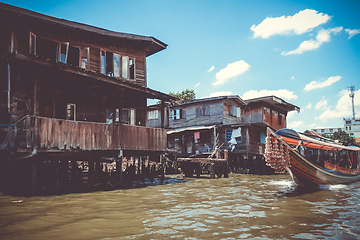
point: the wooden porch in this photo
(50, 134)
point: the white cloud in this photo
(290, 114)
(309, 106)
(352, 32)
(326, 83)
(232, 70)
(302, 22)
(322, 36)
(197, 84)
(282, 93)
(292, 77)
(295, 124)
(212, 68)
(343, 108)
(321, 104)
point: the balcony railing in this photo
(57, 134)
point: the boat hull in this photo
(305, 172)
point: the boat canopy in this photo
(293, 137)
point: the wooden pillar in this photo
(162, 176)
(162, 114)
(212, 171)
(90, 174)
(198, 170)
(119, 166)
(36, 103)
(226, 167)
(33, 175)
(121, 96)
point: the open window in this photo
(102, 61)
(74, 56)
(62, 52)
(46, 49)
(132, 69)
(178, 114)
(125, 67)
(203, 111)
(71, 112)
(84, 59)
(116, 65)
(32, 44)
(128, 116)
(109, 64)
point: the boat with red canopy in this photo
(311, 161)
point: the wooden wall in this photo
(78, 38)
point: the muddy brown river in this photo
(238, 207)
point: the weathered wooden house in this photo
(72, 91)
(229, 122)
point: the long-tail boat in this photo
(311, 161)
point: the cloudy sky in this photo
(306, 52)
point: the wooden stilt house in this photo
(73, 90)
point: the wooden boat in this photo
(310, 161)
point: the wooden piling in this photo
(33, 175)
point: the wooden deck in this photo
(57, 134)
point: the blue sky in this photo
(306, 52)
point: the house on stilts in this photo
(71, 92)
(197, 127)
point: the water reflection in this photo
(242, 206)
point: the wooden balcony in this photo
(57, 134)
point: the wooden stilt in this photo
(198, 170)
(162, 176)
(226, 167)
(33, 175)
(212, 171)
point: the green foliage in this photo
(344, 138)
(186, 95)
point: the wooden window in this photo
(32, 44)
(203, 111)
(116, 65)
(178, 114)
(84, 58)
(128, 68)
(238, 112)
(280, 118)
(46, 49)
(62, 53)
(102, 61)
(129, 116)
(153, 114)
(125, 67)
(109, 115)
(71, 112)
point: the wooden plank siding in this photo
(55, 134)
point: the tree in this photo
(344, 138)
(186, 95)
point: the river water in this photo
(238, 207)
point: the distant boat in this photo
(310, 161)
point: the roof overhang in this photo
(204, 100)
(275, 102)
(190, 129)
(152, 45)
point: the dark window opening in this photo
(103, 61)
(110, 64)
(46, 49)
(280, 119)
(60, 110)
(73, 58)
(132, 68)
